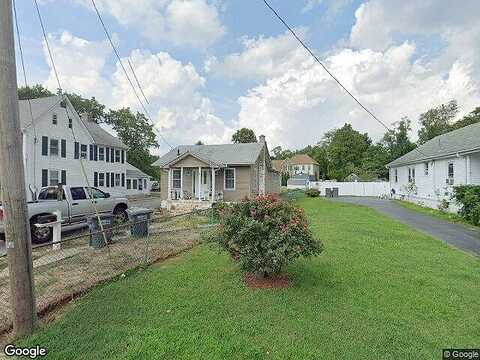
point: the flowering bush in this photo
(265, 234)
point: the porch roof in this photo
(217, 155)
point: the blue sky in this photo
(398, 59)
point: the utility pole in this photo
(12, 180)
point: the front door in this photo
(206, 183)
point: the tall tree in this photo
(472, 118)
(397, 141)
(346, 149)
(33, 92)
(90, 107)
(437, 121)
(137, 134)
(244, 135)
(280, 154)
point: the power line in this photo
(107, 34)
(326, 69)
(138, 82)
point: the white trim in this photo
(225, 179)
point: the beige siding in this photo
(190, 161)
(242, 185)
(163, 184)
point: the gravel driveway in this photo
(461, 236)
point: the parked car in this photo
(76, 204)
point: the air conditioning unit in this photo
(449, 181)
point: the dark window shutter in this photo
(45, 145)
(64, 177)
(77, 150)
(123, 179)
(107, 154)
(95, 152)
(63, 148)
(112, 179)
(44, 177)
(91, 152)
(107, 178)
(95, 179)
(123, 156)
(112, 155)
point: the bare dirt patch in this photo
(273, 282)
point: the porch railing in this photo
(187, 195)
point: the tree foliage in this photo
(33, 92)
(89, 107)
(437, 121)
(397, 141)
(244, 135)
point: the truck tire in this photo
(40, 235)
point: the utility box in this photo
(97, 238)
(139, 220)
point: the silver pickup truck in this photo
(75, 204)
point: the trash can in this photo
(97, 239)
(328, 192)
(335, 192)
(139, 219)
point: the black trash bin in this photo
(335, 192)
(328, 192)
(139, 220)
(97, 239)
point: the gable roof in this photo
(279, 165)
(301, 159)
(225, 154)
(133, 172)
(464, 140)
(43, 106)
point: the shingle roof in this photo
(225, 154)
(301, 159)
(42, 106)
(462, 140)
(133, 172)
(279, 165)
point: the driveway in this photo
(149, 202)
(457, 235)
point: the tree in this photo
(33, 92)
(319, 153)
(199, 142)
(90, 107)
(397, 142)
(346, 148)
(137, 134)
(437, 121)
(244, 135)
(472, 118)
(280, 154)
(373, 165)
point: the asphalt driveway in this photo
(458, 235)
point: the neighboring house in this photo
(227, 172)
(352, 178)
(137, 181)
(303, 164)
(281, 166)
(55, 138)
(299, 181)
(428, 174)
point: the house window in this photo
(101, 179)
(129, 184)
(411, 174)
(425, 167)
(117, 179)
(54, 119)
(140, 187)
(101, 154)
(395, 172)
(451, 173)
(54, 179)
(70, 123)
(176, 179)
(83, 151)
(229, 179)
(117, 155)
(53, 147)
(135, 184)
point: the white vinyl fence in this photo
(354, 188)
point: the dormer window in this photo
(54, 119)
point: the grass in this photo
(455, 218)
(380, 290)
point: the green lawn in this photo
(379, 291)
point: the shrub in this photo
(265, 234)
(312, 193)
(444, 205)
(468, 197)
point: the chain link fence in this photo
(66, 269)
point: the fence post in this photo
(57, 230)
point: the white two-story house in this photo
(428, 174)
(61, 147)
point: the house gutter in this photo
(449, 155)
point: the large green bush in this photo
(265, 234)
(312, 192)
(468, 197)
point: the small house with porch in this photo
(209, 173)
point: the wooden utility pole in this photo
(12, 180)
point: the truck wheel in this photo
(40, 235)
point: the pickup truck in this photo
(75, 205)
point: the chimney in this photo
(261, 139)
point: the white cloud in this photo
(183, 22)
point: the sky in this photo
(209, 67)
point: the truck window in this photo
(78, 193)
(49, 194)
(96, 194)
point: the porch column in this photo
(199, 182)
(213, 184)
(181, 183)
(468, 170)
(169, 186)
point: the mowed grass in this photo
(379, 291)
